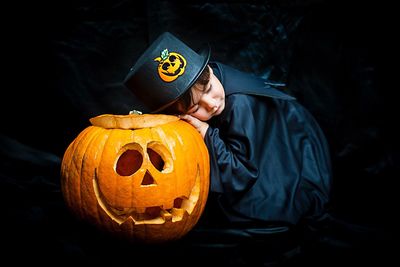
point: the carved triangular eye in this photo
(129, 162)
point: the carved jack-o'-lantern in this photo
(142, 177)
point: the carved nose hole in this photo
(148, 179)
(156, 159)
(129, 162)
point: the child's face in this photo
(207, 100)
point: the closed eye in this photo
(209, 89)
(193, 109)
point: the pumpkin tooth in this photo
(177, 214)
(166, 215)
(188, 204)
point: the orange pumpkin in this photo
(142, 177)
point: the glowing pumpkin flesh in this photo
(142, 177)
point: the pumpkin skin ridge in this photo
(111, 184)
(170, 130)
(202, 154)
(76, 163)
(178, 134)
(167, 135)
(104, 139)
(93, 214)
(102, 204)
(188, 224)
(107, 178)
(120, 139)
(66, 164)
(82, 184)
(120, 188)
(195, 137)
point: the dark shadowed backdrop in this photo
(64, 61)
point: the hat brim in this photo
(205, 53)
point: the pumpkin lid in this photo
(131, 121)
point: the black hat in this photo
(165, 71)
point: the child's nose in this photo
(209, 102)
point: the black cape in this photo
(269, 158)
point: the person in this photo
(269, 158)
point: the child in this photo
(269, 159)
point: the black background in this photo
(63, 63)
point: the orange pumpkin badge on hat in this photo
(171, 65)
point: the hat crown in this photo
(166, 70)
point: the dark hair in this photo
(184, 102)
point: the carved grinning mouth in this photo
(151, 215)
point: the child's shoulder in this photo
(238, 82)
